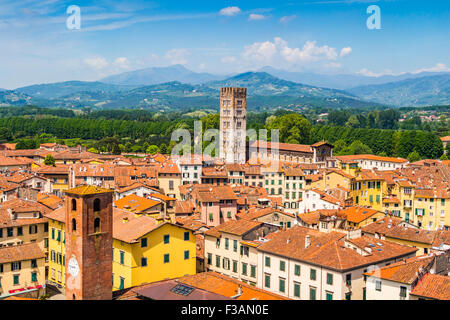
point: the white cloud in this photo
(230, 11)
(122, 63)
(254, 16)
(439, 67)
(96, 63)
(177, 56)
(287, 19)
(308, 53)
(368, 73)
(345, 51)
(260, 51)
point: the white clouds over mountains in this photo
(278, 51)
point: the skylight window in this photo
(182, 289)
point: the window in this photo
(74, 227)
(229, 214)
(19, 231)
(329, 279)
(186, 236)
(297, 270)
(33, 277)
(96, 225)
(378, 285)
(166, 258)
(267, 261)
(312, 293)
(348, 279)
(1, 268)
(97, 205)
(218, 261)
(16, 279)
(403, 292)
(282, 265)
(282, 284)
(166, 239)
(296, 289)
(122, 257)
(186, 255)
(74, 204)
(1, 233)
(267, 280)
(9, 232)
(16, 266)
(122, 283)
(143, 262)
(329, 296)
(234, 266)
(312, 274)
(227, 243)
(144, 243)
(235, 245)
(34, 263)
(253, 271)
(244, 269)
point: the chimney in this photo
(307, 241)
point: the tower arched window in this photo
(74, 204)
(97, 204)
(97, 225)
(74, 224)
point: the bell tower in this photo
(89, 221)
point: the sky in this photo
(220, 37)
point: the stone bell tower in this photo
(89, 221)
(233, 124)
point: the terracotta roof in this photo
(256, 212)
(381, 226)
(58, 214)
(162, 197)
(191, 222)
(445, 139)
(211, 193)
(57, 169)
(433, 286)
(330, 250)
(358, 214)
(404, 271)
(6, 161)
(227, 286)
(164, 290)
(129, 227)
(370, 157)
(282, 146)
(236, 227)
(87, 189)
(184, 207)
(135, 203)
(411, 234)
(52, 201)
(27, 251)
(327, 197)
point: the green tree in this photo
(413, 156)
(152, 149)
(49, 160)
(293, 128)
(444, 157)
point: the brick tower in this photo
(89, 222)
(233, 124)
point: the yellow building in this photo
(56, 247)
(367, 190)
(58, 176)
(432, 208)
(22, 270)
(144, 249)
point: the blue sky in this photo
(324, 36)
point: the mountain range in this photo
(178, 88)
